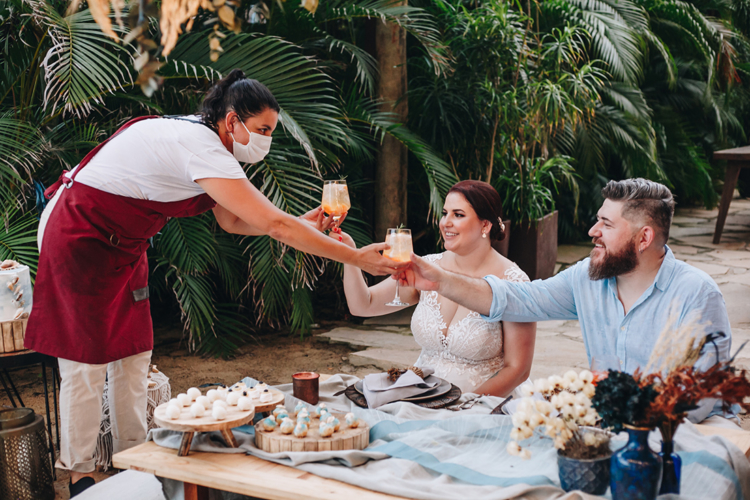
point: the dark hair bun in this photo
(235, 92)
(486, 202)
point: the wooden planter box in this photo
(501, 247)
(534, 246)
(11, 335)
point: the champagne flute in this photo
(336, 199)
(400, 251)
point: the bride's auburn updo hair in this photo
(235, 92)
(486, 202)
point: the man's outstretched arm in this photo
(495, 298)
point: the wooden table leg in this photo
(195, 492)
(229, 438)
(187, 439)
(730, 181)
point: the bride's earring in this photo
(484, 235)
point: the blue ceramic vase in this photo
(587, 475)
(635, 470)
(672, 468)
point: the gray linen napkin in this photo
(379, 390)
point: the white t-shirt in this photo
(160, 159)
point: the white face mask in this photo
(254, 151)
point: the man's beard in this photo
(612, 265)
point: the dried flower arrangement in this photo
(564, 412)
(671, 384)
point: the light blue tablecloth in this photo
(440, 454)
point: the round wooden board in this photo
(278, 398)
(439, 402)
(206, 423)
(345, 439)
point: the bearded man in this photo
(624, 294)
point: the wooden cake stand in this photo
(345, 439)
(189, 425)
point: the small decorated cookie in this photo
(351, 420)
(326, 429)
(219, 412)
(197, 410)
(172, 412)
(286, 426)
(269, 424)
(184, 399)
(279, 409)
(212, 395)
(266, 396)
(304, 419)
(245, 404)
(233, 398)
(318, 409)
(204, 401)
(334, 422)
(281, 416)
(222, 403)
(300, 430)
(194, 393)
(300, 406)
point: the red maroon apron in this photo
(91, 292)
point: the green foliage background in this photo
(545, 100)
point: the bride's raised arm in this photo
(367, 301)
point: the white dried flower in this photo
(526, 405)
(557, 382)
(589, 390)
(551, 431)
(576, 386)
(568, 399)
(525, 454)
(568, 412)
(586, 376)
(515, 434)
(520, 419)
(513, 448)
(536, 420)
(580, 411)
(543, 407)
(542, 385)
(582, 400)
(527, 390)
(559, 443)
(570, 376)
(557, 401)
(589, 439)
(589, 419)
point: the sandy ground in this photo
(272, 358)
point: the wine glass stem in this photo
(336, 220)
(397, 299)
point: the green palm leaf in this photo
(83, 63)
(18, 238)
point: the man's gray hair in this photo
(644, 199)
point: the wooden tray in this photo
(189, 425)
(345, 439)
(278, 398)
(439, 402)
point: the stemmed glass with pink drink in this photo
(400, 251)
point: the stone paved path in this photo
(386, 342)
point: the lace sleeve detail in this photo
(516, 274)
(433, 257)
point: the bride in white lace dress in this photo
(478, 356)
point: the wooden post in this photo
(187, 439)
(229, 438)
(730, 181)
(195, 492)
(391, 169)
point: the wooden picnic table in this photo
(237, 473)
(737, 159)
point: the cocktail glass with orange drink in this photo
(400, 251)
(336, 199)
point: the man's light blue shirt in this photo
(607, 330)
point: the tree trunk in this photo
(391, 171)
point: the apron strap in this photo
(68, 181)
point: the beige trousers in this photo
(81, 407)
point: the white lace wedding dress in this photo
(470, 351)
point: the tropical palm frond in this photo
(18, 237)
(83, 63)
(414, 20)
(19, 149)
(612, 28)
(230, 330)
(188, 244)
(366, 65)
